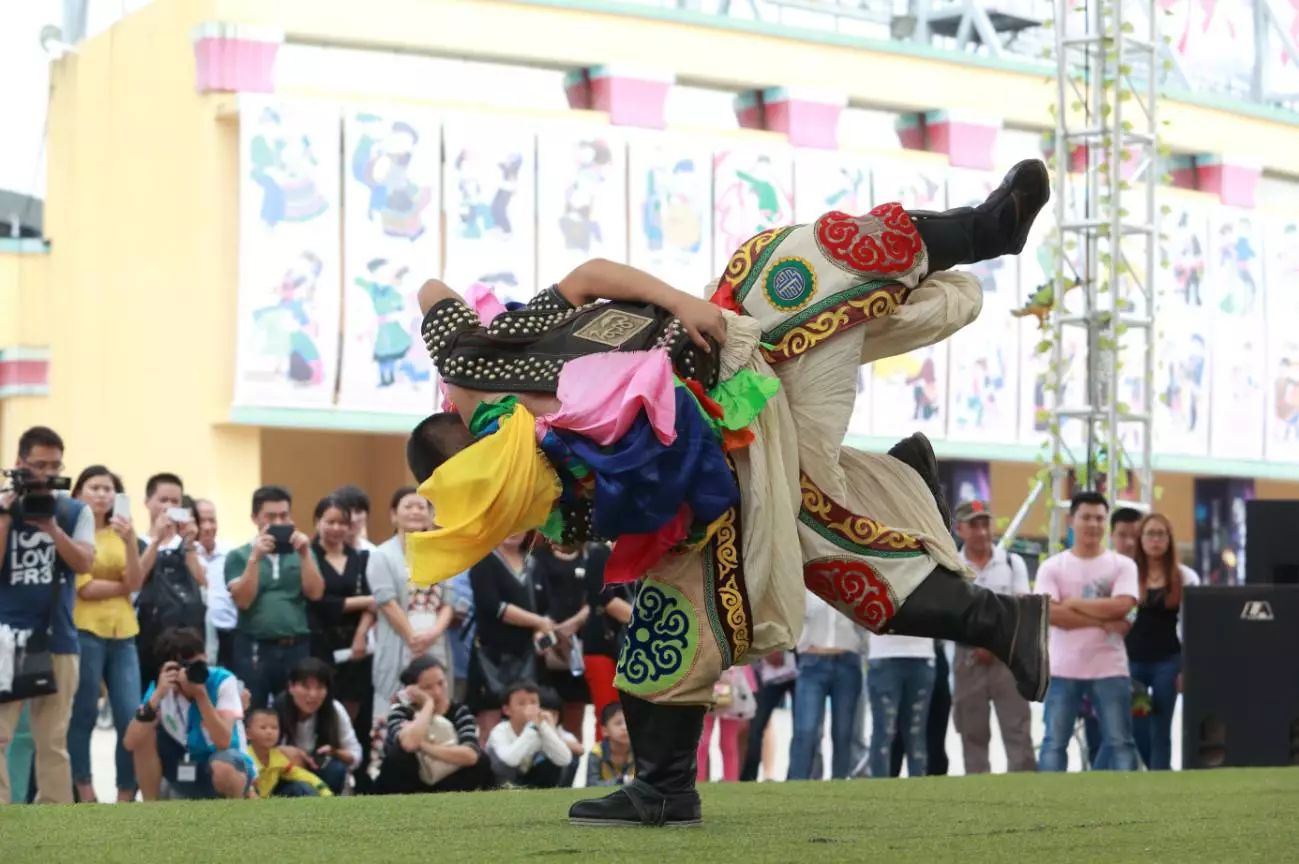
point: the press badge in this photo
(186, 772)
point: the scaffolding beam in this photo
(1107, 237)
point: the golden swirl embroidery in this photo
(740, 266)
(729, 593)
(801, 339)
(861, 530)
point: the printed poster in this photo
(1239, 412)
(909, 392)
(752, 191)
(1282, 372)
(288, 308)
(1235, 263)
(391, 244)
(491, 206)
(826, 180)
(581, 199)
(1182, 382)
(671, 210)
(1181, 277)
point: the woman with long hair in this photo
(511, 629)
(412, 621)
(1154, 644)
(316, 732)
(106, 629)
(341, 619)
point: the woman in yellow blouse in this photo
(106, 628)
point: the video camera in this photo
(35, 495)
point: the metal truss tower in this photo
(1107, 242)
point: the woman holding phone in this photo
(106, 630)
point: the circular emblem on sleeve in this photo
(790, 284)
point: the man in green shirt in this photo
(271, 589)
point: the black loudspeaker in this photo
(1271, 556)
(1240, 692)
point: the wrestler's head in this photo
(436, 439)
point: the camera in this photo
(196, 671)
(283, 535)
(35, 495)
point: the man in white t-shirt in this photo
(1094, 589)
(189, 729)
(222, 614)
(981, 679)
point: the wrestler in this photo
(706, 439)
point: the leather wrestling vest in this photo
(523, 351)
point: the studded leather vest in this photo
(523, 351)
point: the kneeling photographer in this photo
(189, 729)
(45, 539)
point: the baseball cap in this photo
(968, 511)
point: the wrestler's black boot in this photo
(918, 453)
(999, 226)
(664, 741)
(1014, 628)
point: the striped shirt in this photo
(399, 773)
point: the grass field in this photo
(1219, 816)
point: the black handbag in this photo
(499, 673)
(33, 662)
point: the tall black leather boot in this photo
(1013, 628)
(917, 453)
(999, 226)
(664, 742)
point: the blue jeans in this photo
(1154, 733)
(1112, 700)
(837, 676)
(172, 755)
(334, 772)
(900, 689)
(114, 663)
(263, 665)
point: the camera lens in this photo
(196, 672)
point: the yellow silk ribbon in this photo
(497, 486)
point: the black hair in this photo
(550, 700)
(270, 495)
(418, 667)
(158, 479)
(610, 711)
(38, 436)
(177, 644)
(436, 439)
(353, 497)
(519, 687)
(1124, 515)
(400, 494)
(327, 732)
(91, 473)
(331, 502)
(1088, 497)
(266, 712)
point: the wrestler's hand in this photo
(701, 319)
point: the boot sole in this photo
(632, 823)
(1021, 237)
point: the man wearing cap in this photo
(980, 677)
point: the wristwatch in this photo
(146, 713)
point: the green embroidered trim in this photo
(848, 546)
(710, 606)
(760, 264)
(486, 412)
(776, 333)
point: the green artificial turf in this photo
(1219, 816)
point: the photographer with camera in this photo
(45, 539)
(271, 579)
(189, 728)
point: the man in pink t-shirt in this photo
(1094, 589)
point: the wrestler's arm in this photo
(600, 279)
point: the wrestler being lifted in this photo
(706, 440)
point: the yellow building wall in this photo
(24, 299)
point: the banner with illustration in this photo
(753, 190)
(288, 309)
(489, 192)
(1281, 380)
(1181, 280)
(984, 356)
(391, 244)
(671, 210)
(581, 198)
(1182, 382)
(825, 181)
